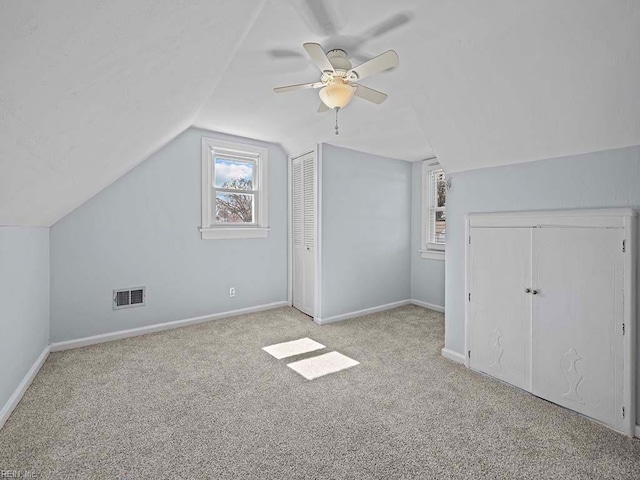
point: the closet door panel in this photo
(304, 231)
(577, 320)
(500, 309)
(309, 221)
(297, 197)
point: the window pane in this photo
(440, 230)
(234, 207)
(236, 174)
(441, 189)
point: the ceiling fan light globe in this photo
(336, 94)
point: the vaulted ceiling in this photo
(89, 89)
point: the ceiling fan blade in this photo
(318, 56)
(323, 108)
(378, 64)
(356, 42)
(300, 86)
(369, 94)
(360, 57)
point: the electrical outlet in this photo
(232, 292)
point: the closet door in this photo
(577, 320)
(499, 307)
(297, 196)
(304, 220)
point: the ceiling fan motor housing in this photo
(341, 64)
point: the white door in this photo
(499, 307)
(577, 340)
(304, 220)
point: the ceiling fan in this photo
(338, 80)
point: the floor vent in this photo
(128, 297)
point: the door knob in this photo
(534, 292)
(527, 290)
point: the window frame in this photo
(259, 156)
(429, 250)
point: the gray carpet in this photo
(207, 402)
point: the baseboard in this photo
(451, 355)
(430, 306)
(158, 327)
(360, 313)
(14, 399)
(638, 431)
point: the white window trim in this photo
(431, 251)
(208, 228)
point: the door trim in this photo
(317, 297)
(289, 231)
(630, 315)
(467, 290)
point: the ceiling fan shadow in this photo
(284, 53)
(322, 17)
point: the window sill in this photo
(228, 233)
(432, 254)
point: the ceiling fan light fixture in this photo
(337, 93)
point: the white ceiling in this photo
(90, 89)
(244, 102)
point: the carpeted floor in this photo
(207, 402)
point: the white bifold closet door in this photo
(577, 317)
(500, 311)
(304, 222)
(551, 304)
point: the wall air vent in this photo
(129, 297)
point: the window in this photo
(234, 193)
(434, 196)
(234, 190)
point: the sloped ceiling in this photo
(519, 81)
(90, 89)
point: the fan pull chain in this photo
(337, 132)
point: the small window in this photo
(234, 190)
(434, 215)
(437, 205)
(235, 195)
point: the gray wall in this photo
(143, 230)
(427, 276)
(366, 200)
(595, 180)
(24, 303)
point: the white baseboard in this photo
(451, 355)
(638, 431)
(13, 401)
(360, 313)
(430, 306)
(134, 332)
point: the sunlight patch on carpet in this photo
(294, 347)
(315, 367)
